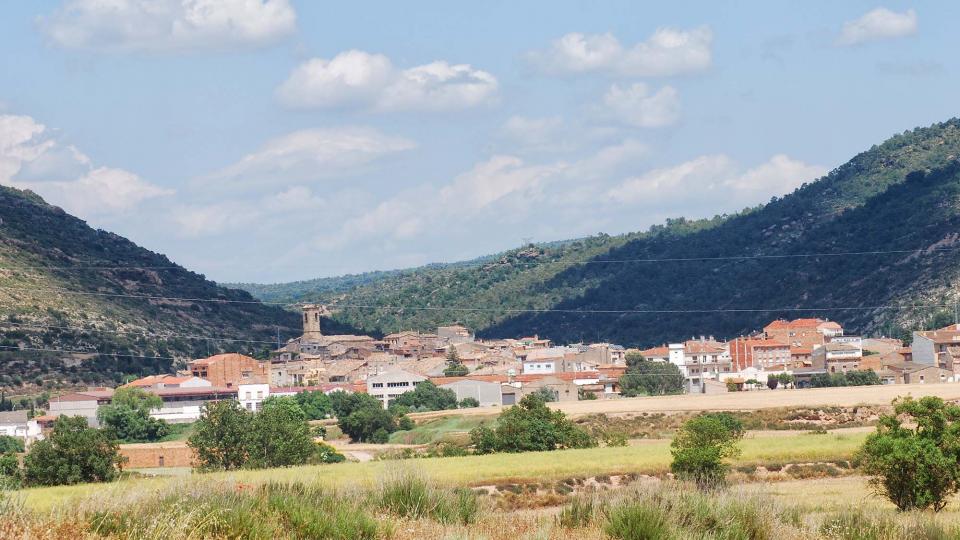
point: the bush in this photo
(74, 453)
(916, 467)
(469, 403)
(405, 423)
(578, 513)
(701, 446)
(638, 521)
(325, 453)
(529, 427)
(408, 495)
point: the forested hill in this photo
(63, 286)
(903, 194)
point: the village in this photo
(498, 373)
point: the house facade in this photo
(390, 384)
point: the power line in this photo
(130, 332)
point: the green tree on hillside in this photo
(74, 453)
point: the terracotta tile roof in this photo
(661, 351)
(801, 323)
(226, 357)
(152, 380)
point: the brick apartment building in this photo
(231, 370)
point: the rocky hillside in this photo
(902, 195)
(66, 286)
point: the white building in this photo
(252, 395)
(16, 424)
(388, 385)
(488, 394)
(543, 361)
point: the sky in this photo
(277, 140)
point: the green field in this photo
(648, 457)
(446, 428)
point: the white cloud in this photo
(361, 79)
(636, 106)
(667, 52)
(214, 219)
(535, 133)
(877, 24)
(168, 25)
(31, 159)
(309, 155)
(711, 177)
(496, 179)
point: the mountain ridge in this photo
(795, 222)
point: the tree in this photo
(545, 394)
(370, 422)
(315, 404)
(10, 444)
(646, 378)
(73, 453)
(469, 403)
(220, 437)
(772, 382)
(455, 367)
(529, 427)
(10, 474)
(917, 466)
(127, 416)
(426, 397)
(280, 435)
(701, 446)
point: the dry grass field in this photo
(737, 401)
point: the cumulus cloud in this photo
(716, 177)
(309, 155)
(635, 105)
(31, 158)
(880, 23)
(669, 51)
(168, 25)
(362, 79)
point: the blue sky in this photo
(267, 140)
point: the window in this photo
(259, 394)
(249, 406)
(377, 385)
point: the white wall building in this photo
(390, 384)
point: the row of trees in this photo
(850, 378)
(646, 378)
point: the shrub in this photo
(408, 495)
(327, 454)
(73, 453)
(915, 467)
(638, 520)
(578, 513)
(405, 423)
(469, 403)
(701, 446)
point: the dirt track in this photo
(738, 401)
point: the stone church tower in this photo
(311, 321)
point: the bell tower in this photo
(311, 321)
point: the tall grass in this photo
(407, 494)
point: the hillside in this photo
(899, 195)
(59, 287)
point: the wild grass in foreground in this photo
(678, 511)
